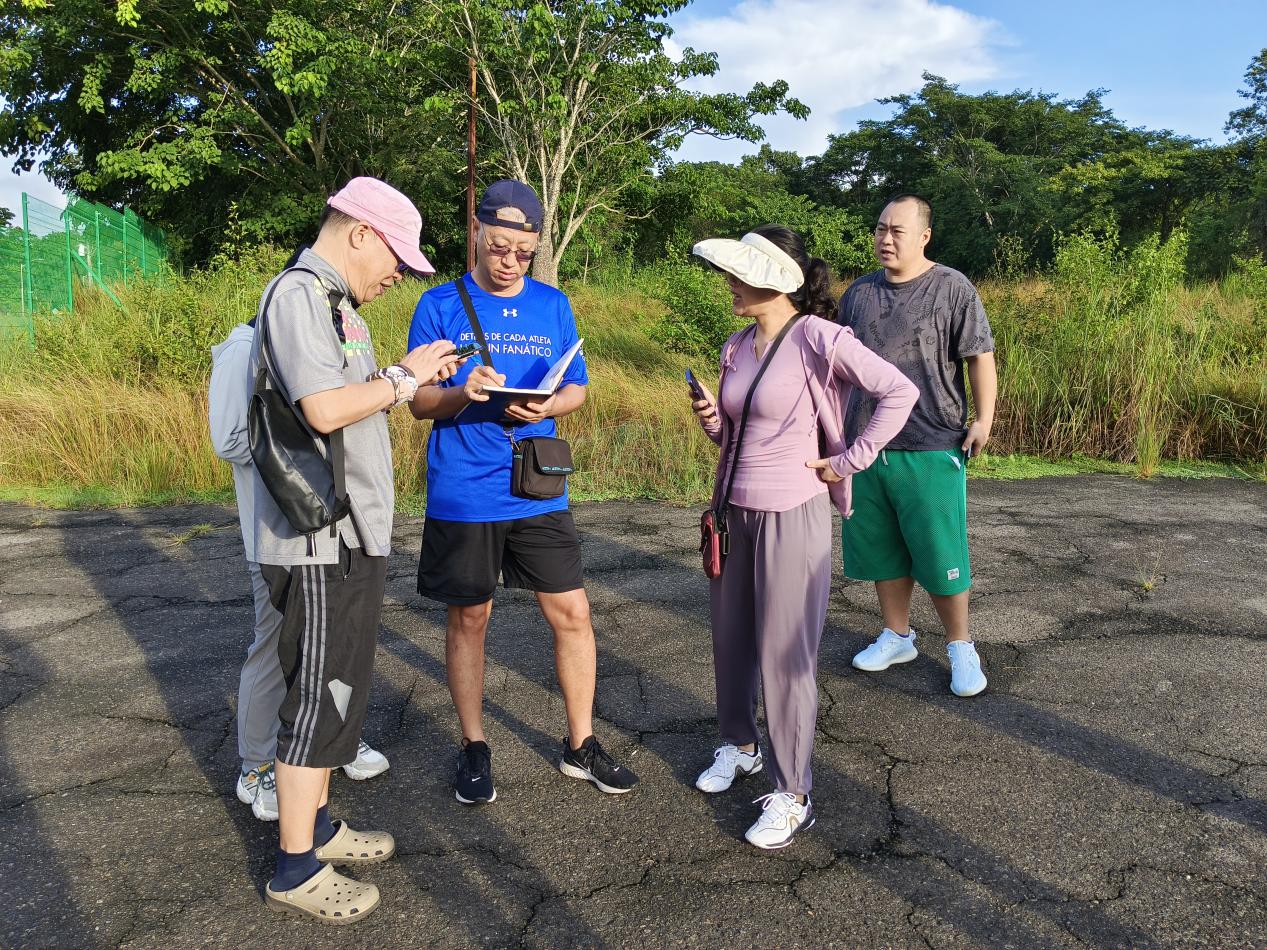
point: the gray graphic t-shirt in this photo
(925, 327)
(310, 359)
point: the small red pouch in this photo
(713, 542)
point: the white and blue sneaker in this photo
(367, 764)
(966, 678)
(782, 816)
(889, 648)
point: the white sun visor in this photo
(754, 260)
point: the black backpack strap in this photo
(268, 370)
(743, 418)
(469, 306)
(267, 367)
(340, 474)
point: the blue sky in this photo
(1167, 65)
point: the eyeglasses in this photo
(401, 266)
(523, 257)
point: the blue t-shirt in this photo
(469, 456)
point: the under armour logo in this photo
(510, 311)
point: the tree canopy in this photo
(228, 122)
(1008, 174)
(1020, 166)
(581, 98)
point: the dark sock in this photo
(293, 869)
(323, 827)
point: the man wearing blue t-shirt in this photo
(475, 527)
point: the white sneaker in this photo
(367, 764)
(729, 762)
(258, 788)
(966, 678)
(888, 649)
(782, 816)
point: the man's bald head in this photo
(922, 207)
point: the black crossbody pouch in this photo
(308, 487)
(540, 465)
(540, 468)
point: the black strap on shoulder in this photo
(268, 370)
(465, 294)
(747, 404)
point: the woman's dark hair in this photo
(814, 296)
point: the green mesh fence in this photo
(56, 251)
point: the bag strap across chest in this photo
(474, 320)
(747, 405)
(268, 371)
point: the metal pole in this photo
(124, 229)
(96, 225)
(70, 267)
(470, 171)
(28, 303)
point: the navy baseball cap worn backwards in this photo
(510, 194)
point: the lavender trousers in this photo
(768, 610)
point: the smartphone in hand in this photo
(464, 352)
(697, 391)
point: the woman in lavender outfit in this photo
(770, 602)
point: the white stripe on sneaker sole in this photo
(475, 801)
(573, 771)
(786, 841)
(893, 662)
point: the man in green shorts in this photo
(910, 508)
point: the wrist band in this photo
(404, 384)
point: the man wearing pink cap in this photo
(328, 586)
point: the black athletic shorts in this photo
(330, 615)
(460, 560)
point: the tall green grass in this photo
(1111, 357)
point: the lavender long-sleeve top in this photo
(809, 382)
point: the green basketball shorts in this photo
(910, 519)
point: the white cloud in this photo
(836, 55)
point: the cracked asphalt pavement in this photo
(1108, 790)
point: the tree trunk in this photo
(545, 267)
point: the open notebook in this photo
(549, 383)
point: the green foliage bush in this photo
(691, 202)
(699, 315)
(1249, 277)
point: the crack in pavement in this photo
(938, 884)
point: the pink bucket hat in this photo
(390, 213)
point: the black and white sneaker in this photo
(474, 784)
(592, 763)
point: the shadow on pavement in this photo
(975, 919)
(40, 907)
(189, 680)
